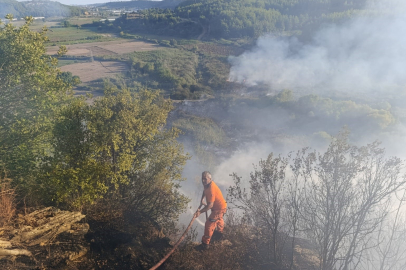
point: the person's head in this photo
(206, 178)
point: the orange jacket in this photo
(213, 194)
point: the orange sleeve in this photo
(209, 195)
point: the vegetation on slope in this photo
(237, 18)
(114, 157)
(59, 150)
(38, 9)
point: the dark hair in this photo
(206, 173)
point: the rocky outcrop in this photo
(48, 238)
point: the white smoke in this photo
(366, 53)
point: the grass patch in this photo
(171, 69)
(206, 136)
(83, 20)
(181, 73)
(73, 35)
(204, 130)
(62, 63)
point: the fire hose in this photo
(177, 243)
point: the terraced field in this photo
(105, 48)
(92, 71)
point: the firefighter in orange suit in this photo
(215, 201)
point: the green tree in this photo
(67, 24)
(30, 94)
(116, 148)
(68, 78)
(62, 50)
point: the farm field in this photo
(92, 71)
(73, 35)
(105, 48)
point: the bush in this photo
(114, 147)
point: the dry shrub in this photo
(7, 201)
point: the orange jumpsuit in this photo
(213, 194)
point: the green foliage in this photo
(237, 18)
(343, 111)
(181, 73)
(66, 24)
(205, 134)
(205, 130)
(72, 35)
(62, 50)
(69, 79)
(328, 112)
(285, 95)
(39, 9)
(31, 92)
(103, 147)
(173, 69)
(11, 7)
(214, 71)
(63, 150)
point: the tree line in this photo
(38, 9)
(236, 18)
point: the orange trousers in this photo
(215, 220)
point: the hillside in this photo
(142, 4)
(37, 9)
(237, 18)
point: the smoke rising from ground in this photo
(363, 54)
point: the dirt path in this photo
(204, 32)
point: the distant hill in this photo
(37, 9)
(140, 4)
(238, 18)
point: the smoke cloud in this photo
(364, 54)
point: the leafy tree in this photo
(67, 24)
(30, 93)
(62, 50)
(116, 147)
(68, 78)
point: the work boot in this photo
(202, 247)
(217, 236)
